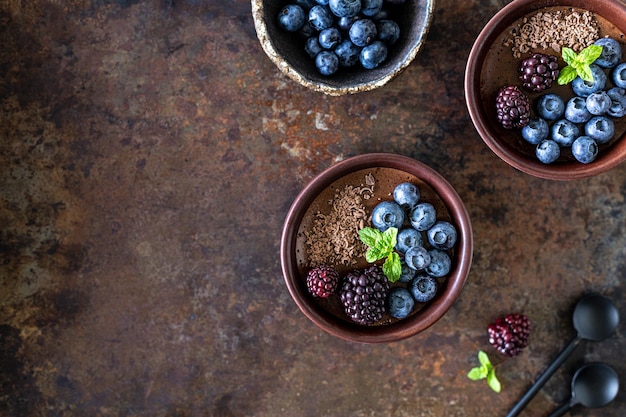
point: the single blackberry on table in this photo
(322, 281)
(513, 107)
(509, 334)
(539, 71)
(363, 295)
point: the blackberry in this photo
(322, 281)
(513, 107)
(363, 295)
(539, 71)
(509, 334)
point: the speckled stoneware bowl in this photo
(387, 170)
(286, 50)
(491, 65)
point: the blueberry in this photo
(344, 8)
(327, 63)
(618, 102)
(305, 4)
(440, 263)
(382, 15)
(423, 216)
(564, 132)
(329, 38)
(407, 273)
(387, 214)
(585, 149)
(583, 88)
(619, 75)
(344, 23)
(371, 7)
(535, 131)
(320, 17)
(550, 106)
(407, 238)
(442, 235)
(406, 195)
(417, 258)
(576, 110)
(373, 55)
(322, 2)
(388, 31)
(598, 103)
(400, 302)
(423, 288)
(348, 53)
(307, 31)
(600, 128)
(548, 151)
(611, 52)
(312, 46)
(291, 18)
(362, 32)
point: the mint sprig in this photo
(381, 246)
(485, 371)
(578, 65)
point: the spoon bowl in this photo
(594, 385)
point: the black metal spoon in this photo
(594, 385)
(595, 318)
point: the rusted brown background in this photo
(149, 152)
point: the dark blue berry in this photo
(371, 7)
(442, 235)
(407, 238)
(291, 18)
(312, 46)
(619, 75)
(548, 151)
(535, 131)
(550, 106)
(348, 53)
(611, 52)
(387, 214)
(423, 216)
(320, 17)
(345, 8)
(564, 132)
(423, 288)
(388, 31)
(583, 88)
(327, 63)
(600, 128)
(417, 258)
(344, 23)
(406, 195)
(322, 2)
(585, 149)
(576, 110)
(373, 55)
(440, 263)
(362, 32)
(407, 273)
(400, 302)
(618, 102)
(305, 4)
(329, 38)
(598, 103)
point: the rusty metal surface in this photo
(149, 152)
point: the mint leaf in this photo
(567, 75)
(389, 239)
(569, 55)
(578, 63)
(590, 54)
(375, 253)
(370, 236)
(493, 382)
(477, 373)
(392, 268)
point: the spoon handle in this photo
(561, 410)
(540, 382)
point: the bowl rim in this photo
(267, 44)
(401, 329)
(492, 30)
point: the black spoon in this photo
(594, 385)
(595, 318)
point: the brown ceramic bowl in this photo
(388, 170)
(491, 65)
(286, 50)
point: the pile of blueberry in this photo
(342, 33)
(583, 122)
(423, 243)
